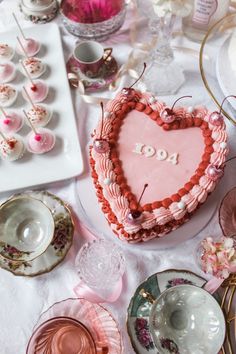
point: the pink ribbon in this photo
(213, 284)
(82, 290)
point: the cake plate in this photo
(93, 219)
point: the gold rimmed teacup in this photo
(26, 228)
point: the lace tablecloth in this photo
(23, 299)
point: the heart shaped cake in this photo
(177, 155)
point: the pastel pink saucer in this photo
(227, 214)
(95, 318)
(11, 124)
(37, 92)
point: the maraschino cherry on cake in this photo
(178, 153)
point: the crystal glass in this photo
(93, 19)
(100, 265)
(163, 75)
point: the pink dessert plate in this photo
(108, 74)
(61, 335)
(227, 213)
(95, 318)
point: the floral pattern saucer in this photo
(139, 308)
(61, 243)
(98, 321)
(107, 74)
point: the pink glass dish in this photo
(94, 317)
(93, 19)
(227, 214)
(91, 11)
(61, 335)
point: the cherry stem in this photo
(221, 107)
(231, 158)
(140, 76)
(145, 186)
(178, 100)
(101, 104)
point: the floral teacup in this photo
(186, 319)
(26, 228)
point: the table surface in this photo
(24, 299)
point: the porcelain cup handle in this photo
(146, 295)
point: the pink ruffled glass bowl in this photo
(93, 19)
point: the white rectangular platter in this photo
(65, 160)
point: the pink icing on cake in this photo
(145, 132)
(37, 92)
(41, 143)
(172, 158)
(7, 72)
(11, 124)
(30, 45)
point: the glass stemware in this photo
(163, 76)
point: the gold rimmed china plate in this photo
(60, 245)
(218, 65)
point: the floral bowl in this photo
(187, 319)
(26, 228)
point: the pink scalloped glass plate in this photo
(227, 213)
(94, 317)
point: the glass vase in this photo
(93, 19)
(163, 75)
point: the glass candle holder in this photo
(93, 19)
(100, 265)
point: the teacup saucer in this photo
(62, 240)
(95, 318)
(139, 308)
(108, 73)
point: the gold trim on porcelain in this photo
(132, 298)
(25, 196)
(201, 55)
(47, 270)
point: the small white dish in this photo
(26, 228)
(187, 319)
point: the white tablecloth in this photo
(23, 299)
